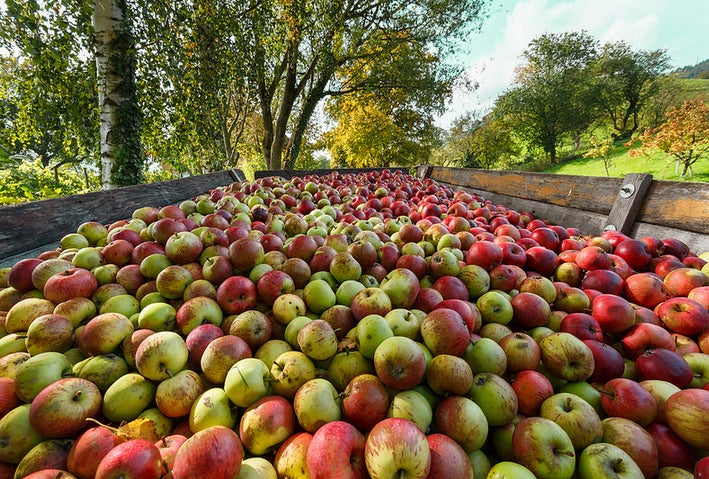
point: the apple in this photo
(414, 405)
(606, 460)
(336, 451)
(643, 337)
(211, 408)
(461, 419)
(127, 397)
(158, 317)
(666, 365)
(371, 300)
(622, 397)
(576, 416)
(216, 452)
(274, 283)
(530, 310)
(448, 459)
(539, 285)
(402, 286)
(567, 357)
(521, 350)
(582, 325)
(495, 307)
(183, 247)
(287, 307)
(365, 401)
(531, 388)
(135, 458)
(444, 332)
(161, 355)
(672, 451)
(257, 468)
(509, 470)
(21, 314)
(290, 459)
(245, 253)
(197, 311)
(175, 395)
(290, 370)
(237, 294)
(20, 274)
(396, 447)
(683, 315)
(220, 355)
(39, 371)
(608, 363)
(496, 398)
(265, 424)
(645, 289)
(17, 435)
(614, 313)
(48, 455)
(404, 322)
(399, 362)
(448, 375)
(316, 403)
(485, 254)
(428, 299)
(70, 283)
(217, 269)
(252, 326)
(88, 449)
(61, 408)
(687, 413)
(701, 468)
(542, 446)
(49, 332)
(634, 440)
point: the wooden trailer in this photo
(637, 205)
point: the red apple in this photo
(336, 451)
(622, 397)
(683, 315)
(133, 459)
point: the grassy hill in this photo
(659, 165)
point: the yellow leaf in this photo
(141, 428)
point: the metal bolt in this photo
(627, 190)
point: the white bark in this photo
(106, 19)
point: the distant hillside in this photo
(700, 70)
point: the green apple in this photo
(585, 391)
(102, 370)
(606, 460)
(509, 470)
(347, 290)
(39, 371)
(495, 307)
(495, 397)
(288, 306)
(318, 296)
(161, 355)
(22, 313)
(127, 397)
(256, 468)
(575, 416)
(411, 405)
(404, 322)
(397, 448)
(78, 310)
(49, 332)
(316, 402)
(476, 279)
(17, 436)
(271, 349)
(345, 366)
(212, 408)
(290, 334)
(158, 317)
(372, 329)
(247, 381)
(344, 266)
(485, 355)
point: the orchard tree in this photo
(684, 136)
(552, 97)
(48, 83)
(626, 81)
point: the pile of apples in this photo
(370, 325)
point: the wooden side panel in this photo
(677, 204)
(320, 172)
(580, 192)
(25, 227)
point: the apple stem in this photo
(169, 373)
(114, 430)
(618, 463)
(77, 395)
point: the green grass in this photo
(659, 165)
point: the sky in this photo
(681, 27)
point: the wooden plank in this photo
(26, 226)
(628, 202)
(580, 192)
(677, 204)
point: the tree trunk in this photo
(121, 151)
